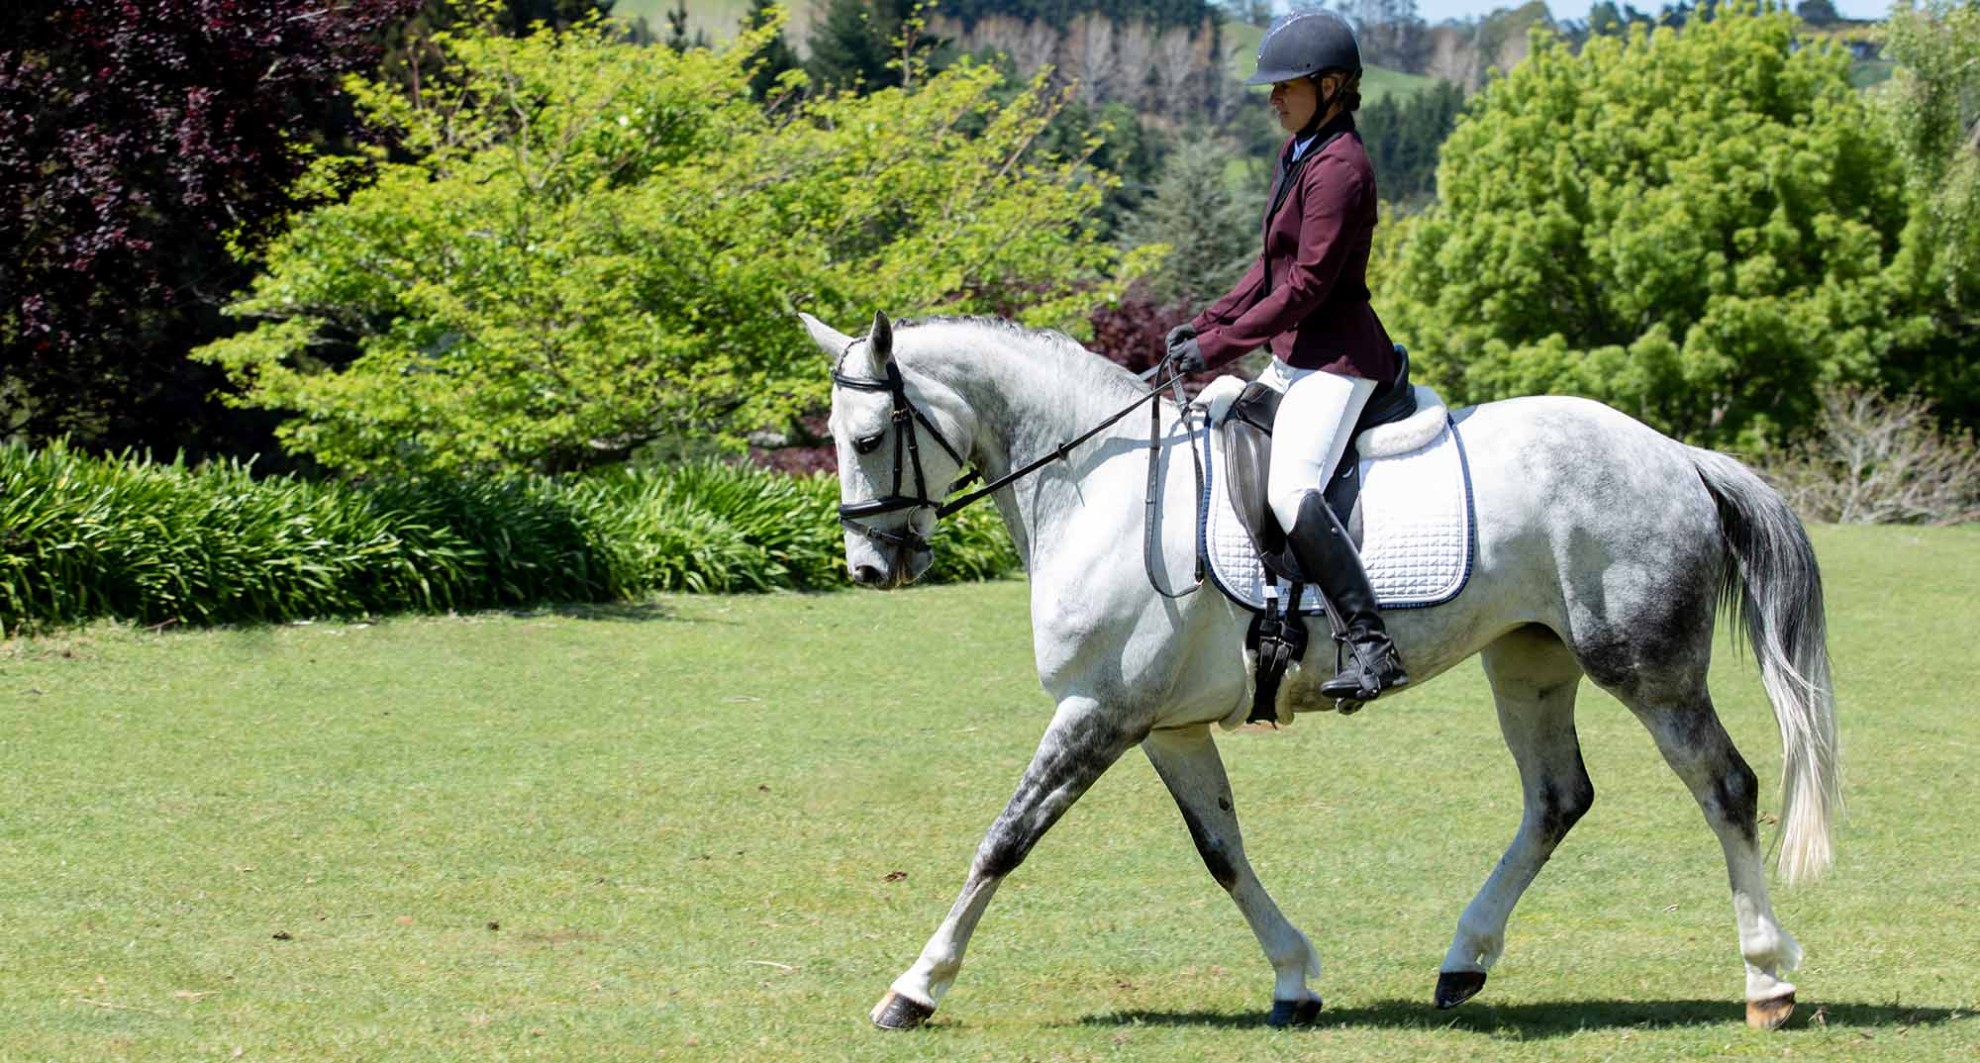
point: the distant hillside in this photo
(717, 19)
(1163, 73)
(1377, 82)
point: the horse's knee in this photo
(1564, 803)
(1215, 850)
(1000, 854)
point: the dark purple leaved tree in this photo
(136, 140)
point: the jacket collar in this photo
(1341, 123)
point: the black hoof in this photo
(1293, 1013)
(1456, 987)
(896, 1012)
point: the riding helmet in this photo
(1304, 44)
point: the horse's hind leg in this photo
(1696, 746)
(1534, 677)
(1188, 763)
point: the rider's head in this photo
(1313, 64)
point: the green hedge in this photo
(84, 537)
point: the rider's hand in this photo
(1187, 356)
(1178, 334)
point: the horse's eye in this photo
(867, 444)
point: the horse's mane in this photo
(1084, 366)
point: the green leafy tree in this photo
(1694, 226)
(598, 245)
(1932, 109)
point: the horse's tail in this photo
(1772, 582)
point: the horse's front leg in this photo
(1188, 763)
(1084, 741)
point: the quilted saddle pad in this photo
(1417, 528)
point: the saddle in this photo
(1247, 431)
(1276, 635)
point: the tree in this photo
(1931, 108)
(1817, 12)
(871, 44)
(1211, 236)
(678, 38)
(606, 244)
(139, 145)
(1403, 133)
(776, 57)
(1693, 226)
(1389, 32)
(409, 54)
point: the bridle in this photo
(906, 415)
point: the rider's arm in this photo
(1242, 297)
(1334, 189)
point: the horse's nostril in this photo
(867, 575)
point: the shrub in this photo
(1875, 460)
(156, 543)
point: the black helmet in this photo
(1304, 44)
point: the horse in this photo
(1603, 549)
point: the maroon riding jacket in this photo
(1307, 295)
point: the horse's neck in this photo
(1026, 402)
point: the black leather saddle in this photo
(1247, 431)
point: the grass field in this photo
(716, 828)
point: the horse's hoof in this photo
(1293, 1013)
(1456, 987)
(896, 1012)
(1770, 1014)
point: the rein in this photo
(906, 415)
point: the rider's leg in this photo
(1309, 437)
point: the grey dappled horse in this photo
(1603, 549)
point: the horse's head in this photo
(900, 443)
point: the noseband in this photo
(905, 415)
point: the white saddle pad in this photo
(1416, 517)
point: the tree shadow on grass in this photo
(1551, 1018)
(628, 612)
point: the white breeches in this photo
(1311, 431)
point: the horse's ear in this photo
(828, 339)
(881, 340)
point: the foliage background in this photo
(1698, 227)
(164, 544)
(598, 244)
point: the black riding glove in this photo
(1187, 356)
(1178, 334)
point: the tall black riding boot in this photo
(1326, 552)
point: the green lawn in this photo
(716, 828)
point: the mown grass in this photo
(715, 828)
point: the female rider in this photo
(1307, 299)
